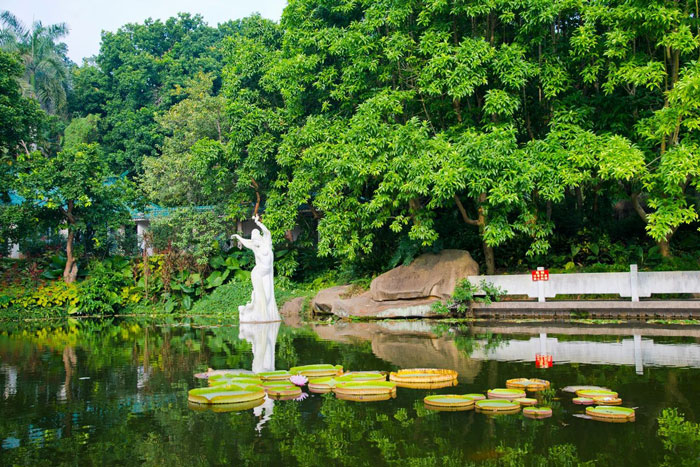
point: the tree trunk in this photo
(489, 256)
(70, 273)
(490, 259)
(665, 247)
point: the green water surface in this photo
(115, 393)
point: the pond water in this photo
(115, 392)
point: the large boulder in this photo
(429, 275)
(323, 301)
(404, 292)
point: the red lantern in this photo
(543, 360)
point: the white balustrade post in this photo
(540, 287)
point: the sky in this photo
(87, 18)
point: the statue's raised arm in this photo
(265, 231)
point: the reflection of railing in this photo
(631, 284)
(632, 351)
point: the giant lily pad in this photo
(279, 389)
(361, 376)
(537, 412)
(508, 394)
(321, 385)
(526, 401)
(365, 397)
(595, 393)
(529, 384)
(231, 378)
(449, 400)
(222, 408)
(359, 388)
(497, 406)
(225, 394)
(278, 375)
(423, 375)
(319, 370)
(611, 414)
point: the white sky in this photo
(87, 18)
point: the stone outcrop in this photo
(429, 275)
(291, 311)
(404, 292)
(323, 301)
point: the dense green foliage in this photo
(560, 133)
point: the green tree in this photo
(46, 77)
(21, 121)
(75, 186)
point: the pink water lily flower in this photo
(299, 380)
(302, 396)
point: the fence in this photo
(631, 284)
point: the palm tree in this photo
(46, 76)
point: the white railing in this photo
(631, 284)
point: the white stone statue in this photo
(262, 307)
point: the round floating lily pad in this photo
(225, 394)
(319, 370)
(607, 413)
(537, 412)
(607, 400)
(278, 375)
(221, 408)
(449, 400)
(476, 397)
(321, 385)
(423, 375)
(365, 397)
(508, 394)
(595, 393)
(278, 390)
(529, 384)
(365, 387)
(361, 376)
(497, 406)
(579, 388)
(239, 380)
(583, 401)
(439, 385)
(526, 401)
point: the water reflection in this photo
(263, 338)
(133, 408)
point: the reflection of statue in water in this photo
(262, 306)
(263, 337)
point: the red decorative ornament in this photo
(540, 275)
(543, 360)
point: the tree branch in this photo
(463, 211)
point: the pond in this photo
(115, 392)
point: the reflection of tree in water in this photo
(468, 342)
